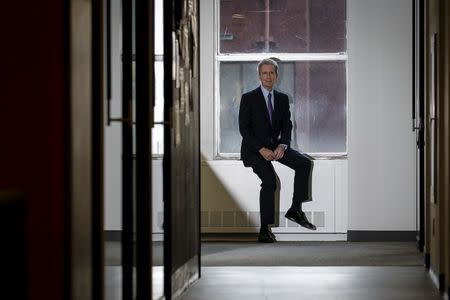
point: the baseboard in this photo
(381, 236)
(420, 243)
(351, 236)
(427, 260)
(434, 277)
(438, 280)
(184, 277)
(281, 237)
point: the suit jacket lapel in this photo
(276, 106)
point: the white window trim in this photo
(283, 57)
(286, 57)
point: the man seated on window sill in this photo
(266, 127)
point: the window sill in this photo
(313, 156)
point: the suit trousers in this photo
(302, 166)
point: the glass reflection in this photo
(283, 26)
(317, 92)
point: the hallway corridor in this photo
(311, 283)
(121, 162)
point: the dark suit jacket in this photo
(255, 127)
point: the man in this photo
(265, 125)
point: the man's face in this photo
(268, 76)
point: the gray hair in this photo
(268, 61)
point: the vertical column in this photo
(144, 119)
(127, 152)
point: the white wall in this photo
(113, 133)
(207, 78)
(230, 192)
(230, 197)
(381, 163)
(381, 144)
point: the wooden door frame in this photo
(83, 86)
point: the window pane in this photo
(159, 91)
(158, 129)
(283, 26)
(317, 92)
(159, 41)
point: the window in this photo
(309, 39)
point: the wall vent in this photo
(251, 219)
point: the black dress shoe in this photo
(265, 236)
(299, 217)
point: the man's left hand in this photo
(279, 152)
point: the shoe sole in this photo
(293, 220)
(273, 237)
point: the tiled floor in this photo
(311, 283)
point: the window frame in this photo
(158, 57)
(256, 57)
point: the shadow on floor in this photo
(311, 254)
(292, 254)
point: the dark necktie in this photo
(269, 106)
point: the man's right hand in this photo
(267, 154)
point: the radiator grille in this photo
(252, 219)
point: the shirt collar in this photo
(266, 92)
